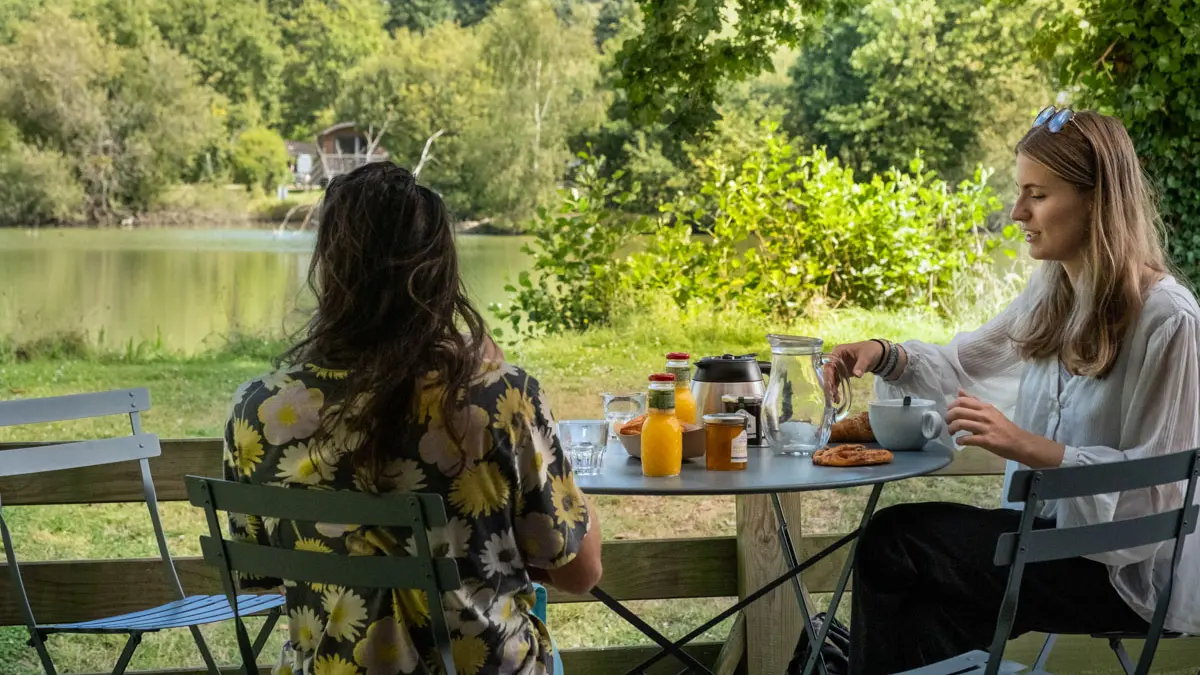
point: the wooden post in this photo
(733, 652)
(773, 623)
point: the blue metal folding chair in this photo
(188, 611)
(1027, 545)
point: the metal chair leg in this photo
(131, 645)
(209, 663)
(1044, 654)
(1118, 648)
(38, 642)
(264, 633)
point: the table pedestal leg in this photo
(838, 590)
(789, 556)
(772, 624)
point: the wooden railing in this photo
(711, 567)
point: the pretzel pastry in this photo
(851, 455)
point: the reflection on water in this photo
(187, 286)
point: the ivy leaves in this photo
(1141, 63)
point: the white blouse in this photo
(1149, 404)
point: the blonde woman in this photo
(1098, 360)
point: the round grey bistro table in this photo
(767, 472)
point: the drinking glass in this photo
(583, 443)
(620, 408)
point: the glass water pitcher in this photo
(798, 409)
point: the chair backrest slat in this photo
(314, 567)
(1073, 542)
(1097, 479)
(343, 507)
(42, 458)
(73, 407)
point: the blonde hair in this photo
(1083, 323)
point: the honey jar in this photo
(725, 442)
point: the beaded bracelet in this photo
(893, 362)
(889, 363)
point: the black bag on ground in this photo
(836, 649)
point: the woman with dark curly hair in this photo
(394, 386)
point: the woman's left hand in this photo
(989, 429)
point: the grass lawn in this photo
(190, 397)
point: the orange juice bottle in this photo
(662, 433)
(678, 364)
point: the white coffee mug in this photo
(905, 423)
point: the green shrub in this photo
(578, 273)
(765, 236)
(56, 346)
(260, 159)
(781, 230)
(36, 187)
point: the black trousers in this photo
(925, 588)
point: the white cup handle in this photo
(932, 425)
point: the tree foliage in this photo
(418, 85)
(673, 69)
(323, 42)
(128, 118)
(950, 79)
(419, 15)
(543, 71)
(1141, 62)
(508, 94)
(236, 48)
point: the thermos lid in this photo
(728, 368)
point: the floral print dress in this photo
(510, 498)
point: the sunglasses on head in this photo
(1053, 118)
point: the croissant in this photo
(853, 429)
(633, 427)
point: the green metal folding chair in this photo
(1027, 545)
(412, 510)
(188, 611)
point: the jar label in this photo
(737, 452)
(683, 374)
(751, 424)
(661, 399)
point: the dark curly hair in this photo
(391, 306)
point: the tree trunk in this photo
(425, 156)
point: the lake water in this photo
(185, 287)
